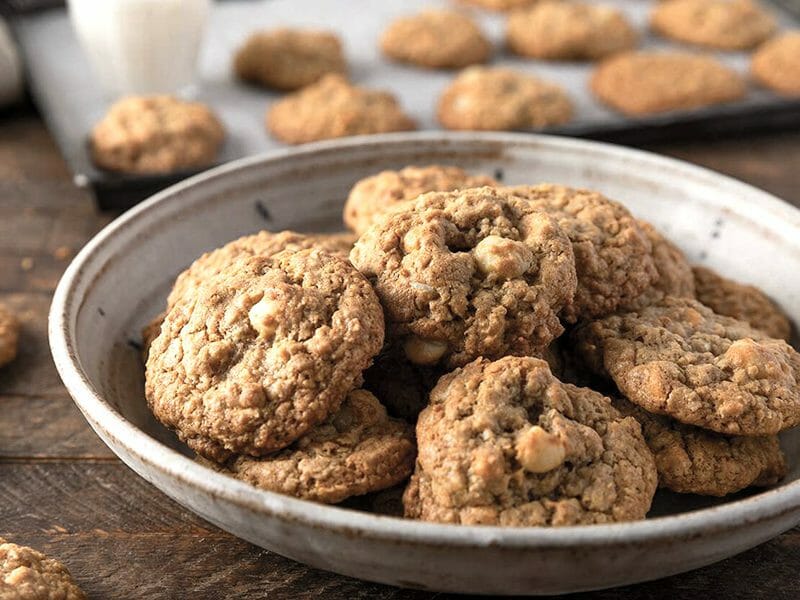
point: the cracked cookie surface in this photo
(740, 301)
(569, 31)
(613, 256)
(332, 108)
(263, 352)
(358, 449)
(691, 460)
(437, 39)
(500, 99)
(9, 336)
(26, 573)
(479, 272)
(506, 443)
(723, 24)
(373, 196)
(288, 59)
(641, 83)
(681, 359)
(156, 134)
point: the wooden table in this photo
(62, 491)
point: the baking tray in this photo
(71, 101)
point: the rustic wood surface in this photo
(63, 491)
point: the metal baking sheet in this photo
(72, 101)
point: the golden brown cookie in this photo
(641, 83)
(776, 64)
(479, 272)
(288, 59)
(373, 196)
(332, 108)
(357, 450)
(680, 359)
(501, 5)
(569, 31)
(436, 39)
(9, 336)
(497, 98)
(506, 443)
(675, 277)
(613, 255)
(156, 134)
(744, 302)
(262, 352)
(724, 24)
(27, 574)
(691, 460)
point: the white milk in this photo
(141, 46)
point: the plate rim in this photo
(764, 506)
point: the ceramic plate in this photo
(121, 278)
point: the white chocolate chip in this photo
(505, 258)
(424, 352)
(539, 451)
(264, 316)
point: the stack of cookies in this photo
(529, 355)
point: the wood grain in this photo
(62, 490)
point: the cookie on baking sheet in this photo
(641, 83)
(156, 134)
(372, 196)
(681, 359)
(776, 64)
(497, 98)
(675, 277)
(357, 450)
(506, 443)
(744, 302)
(437, 39)
(723, 24)
(613, 255)
(332, 108)
(478, 272)
(288, 59)
(262, 352)
(569, 31)
(691, 460)
(501, 5)
(27, 573)
(265, 243)
(9, 336)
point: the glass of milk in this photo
(141, 46)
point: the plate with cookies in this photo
(453, 361)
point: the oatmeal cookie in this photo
(496, 98)
(26, 573)
(681, 359)
(569, 31)
(436, 39)
(9, 336)
(357, 450)
(479, 272)
(723, 24)
(691, 460)
(506, 443)
(613, 256)
(156, 134)
(675, 277)
(265, 243)
(373, 195)
(744, 302)
(641, 83)
(263, 352)
(332, 108)
(776, 64)
(288, 59)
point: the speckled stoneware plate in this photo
(121, 278)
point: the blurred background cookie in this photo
(776, 64)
